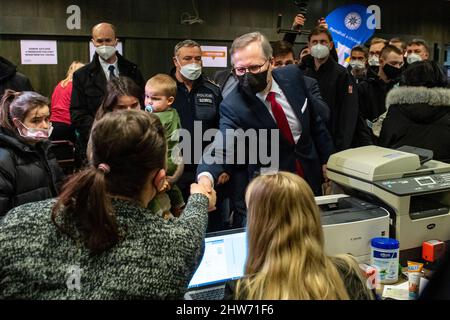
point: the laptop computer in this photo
(223, 260)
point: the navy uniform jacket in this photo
(201, 104)
(241, 110)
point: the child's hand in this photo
(165, 187)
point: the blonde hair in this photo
(74, 66)
(165, 83)
(286, 258)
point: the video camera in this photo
(302, 6)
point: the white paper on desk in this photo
(398, 292)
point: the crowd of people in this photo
(134, 212)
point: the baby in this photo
(160, 92)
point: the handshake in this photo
(204, 186)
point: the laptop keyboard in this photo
(212, 294)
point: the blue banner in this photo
(349, 27)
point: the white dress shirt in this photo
(294, 122)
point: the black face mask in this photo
(253, 82)
(374, 69)
(392, 72)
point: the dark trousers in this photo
(62, 131)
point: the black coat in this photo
(27, 173)
(11, 79)
(418, 117)
(372, 97)
(336, 89)
(89, 88)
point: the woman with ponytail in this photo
(28, 171)
(286, 257)
(98, 240)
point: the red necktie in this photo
(283, 125)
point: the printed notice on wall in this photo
(119, 49)
(38, 52)
(214, 56)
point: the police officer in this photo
(197, 103)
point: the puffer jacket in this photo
(418, 117)
(27, 173)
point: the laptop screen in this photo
(223, 260)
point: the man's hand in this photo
(324, 172)
(206, 183)
(322, 23)
(223, 178)
(299, 22)
(200, 188)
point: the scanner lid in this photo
(373, 163)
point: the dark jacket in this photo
(200, 105)
(11, 79)
(372, 97)
(242, 111)
(335, 87)
(27, 173)
(226, 81)
(89, 88)
(418, 117)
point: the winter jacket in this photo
(418, 117)
(27, 173)
(11, 79)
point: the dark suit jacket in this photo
(240, 110)
(89, 88)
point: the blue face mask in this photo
(149, 108)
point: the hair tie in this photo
(104, 167)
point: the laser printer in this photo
(413, 188)
(350, 223)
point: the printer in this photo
(414, 189)
(350, 223)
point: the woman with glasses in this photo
(28, 172)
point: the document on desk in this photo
(398, 292)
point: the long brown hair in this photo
(286, 258)
(132, 144)
(118, 87)
(19, 105)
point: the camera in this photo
(302, 6)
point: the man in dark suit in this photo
(89, 82)
(263, 101)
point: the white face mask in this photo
(34, 133)
(105, 52)
(320, 51)
(191, 71)
(357, 64)
(413, 57)
(374, 61)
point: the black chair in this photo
(64, 151)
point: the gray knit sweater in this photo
(156, 260)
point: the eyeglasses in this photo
(252, 69)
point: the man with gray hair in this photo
(197, 103)
(417, 50)
(269, 100)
